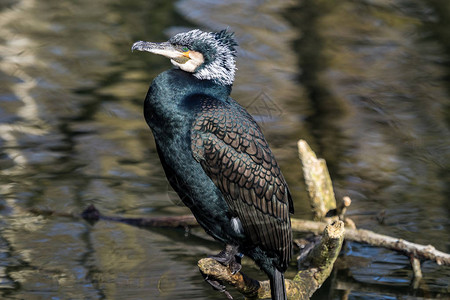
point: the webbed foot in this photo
(229, 257)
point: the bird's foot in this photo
(218, 286)
(229, 257)
(234, 266)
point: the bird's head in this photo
(207, 55)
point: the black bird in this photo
(215, 156)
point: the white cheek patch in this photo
(236, 225)
(196, 60)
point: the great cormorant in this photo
(215, 156)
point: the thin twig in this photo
(417, 271)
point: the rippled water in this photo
(366, 83)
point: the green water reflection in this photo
(364, 82)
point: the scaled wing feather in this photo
(229, 145)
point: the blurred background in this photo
(365, 82)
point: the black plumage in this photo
(231, 149)
(214, 154)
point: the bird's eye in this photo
(185, 49)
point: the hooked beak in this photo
(166, 49)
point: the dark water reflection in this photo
(364, 82)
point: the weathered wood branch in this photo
(318, 181)
(369, 237)
(417, 271)
(317, 268)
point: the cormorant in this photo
(215, 156)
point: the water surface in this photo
(364, 82)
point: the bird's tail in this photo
(277, 288)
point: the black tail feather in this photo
(277, 288)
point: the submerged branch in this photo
(427, 252)
(92, 215)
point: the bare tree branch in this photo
(317, 180)
(379, 240)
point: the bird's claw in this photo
(218, 286)
(234, 267)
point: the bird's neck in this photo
(163, 105)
